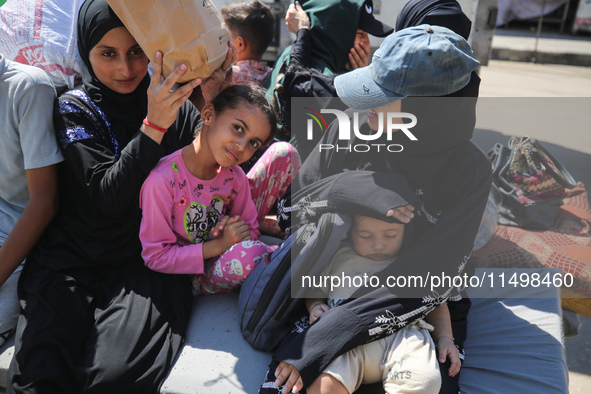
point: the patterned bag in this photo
(528, 182)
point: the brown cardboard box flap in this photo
(185, 31)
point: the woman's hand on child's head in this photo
(318, 310)
(296, 18)
(402, 214)
(446, 348)
(289, 377)
(163, 103)
(212, 85)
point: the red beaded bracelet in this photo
(160, 129)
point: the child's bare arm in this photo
(316, 307)
(443, 336)
(440, 319)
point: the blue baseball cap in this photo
(417, 61)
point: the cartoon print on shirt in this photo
(194, 221)
(199, 219)
(214, 211)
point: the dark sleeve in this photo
(446, 247)
(112, 179)
(301, 50)
(320, 164)
(111, 176)
(300, 80)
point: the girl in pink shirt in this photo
(198, 213)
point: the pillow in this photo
(566, 245)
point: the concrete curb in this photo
(568, 59)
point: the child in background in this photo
(198, 214)
(251, 25)
(405, 361)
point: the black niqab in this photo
(125, 111)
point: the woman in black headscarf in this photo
(445, 13)
(94, 319)
(451, 178)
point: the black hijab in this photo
(446, 13)
(125, 111)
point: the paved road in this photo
(562, 124)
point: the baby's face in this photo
(376, 239)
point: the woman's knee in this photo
(116, 375)
(229, 271)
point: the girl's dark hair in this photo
(251, 94)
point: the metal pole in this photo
(539, 30)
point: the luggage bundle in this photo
(529, 184)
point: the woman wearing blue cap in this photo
(449, 175)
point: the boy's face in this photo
(362, 39)
(376, 239)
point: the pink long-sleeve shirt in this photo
(179, 210)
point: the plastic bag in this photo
(42, 33)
